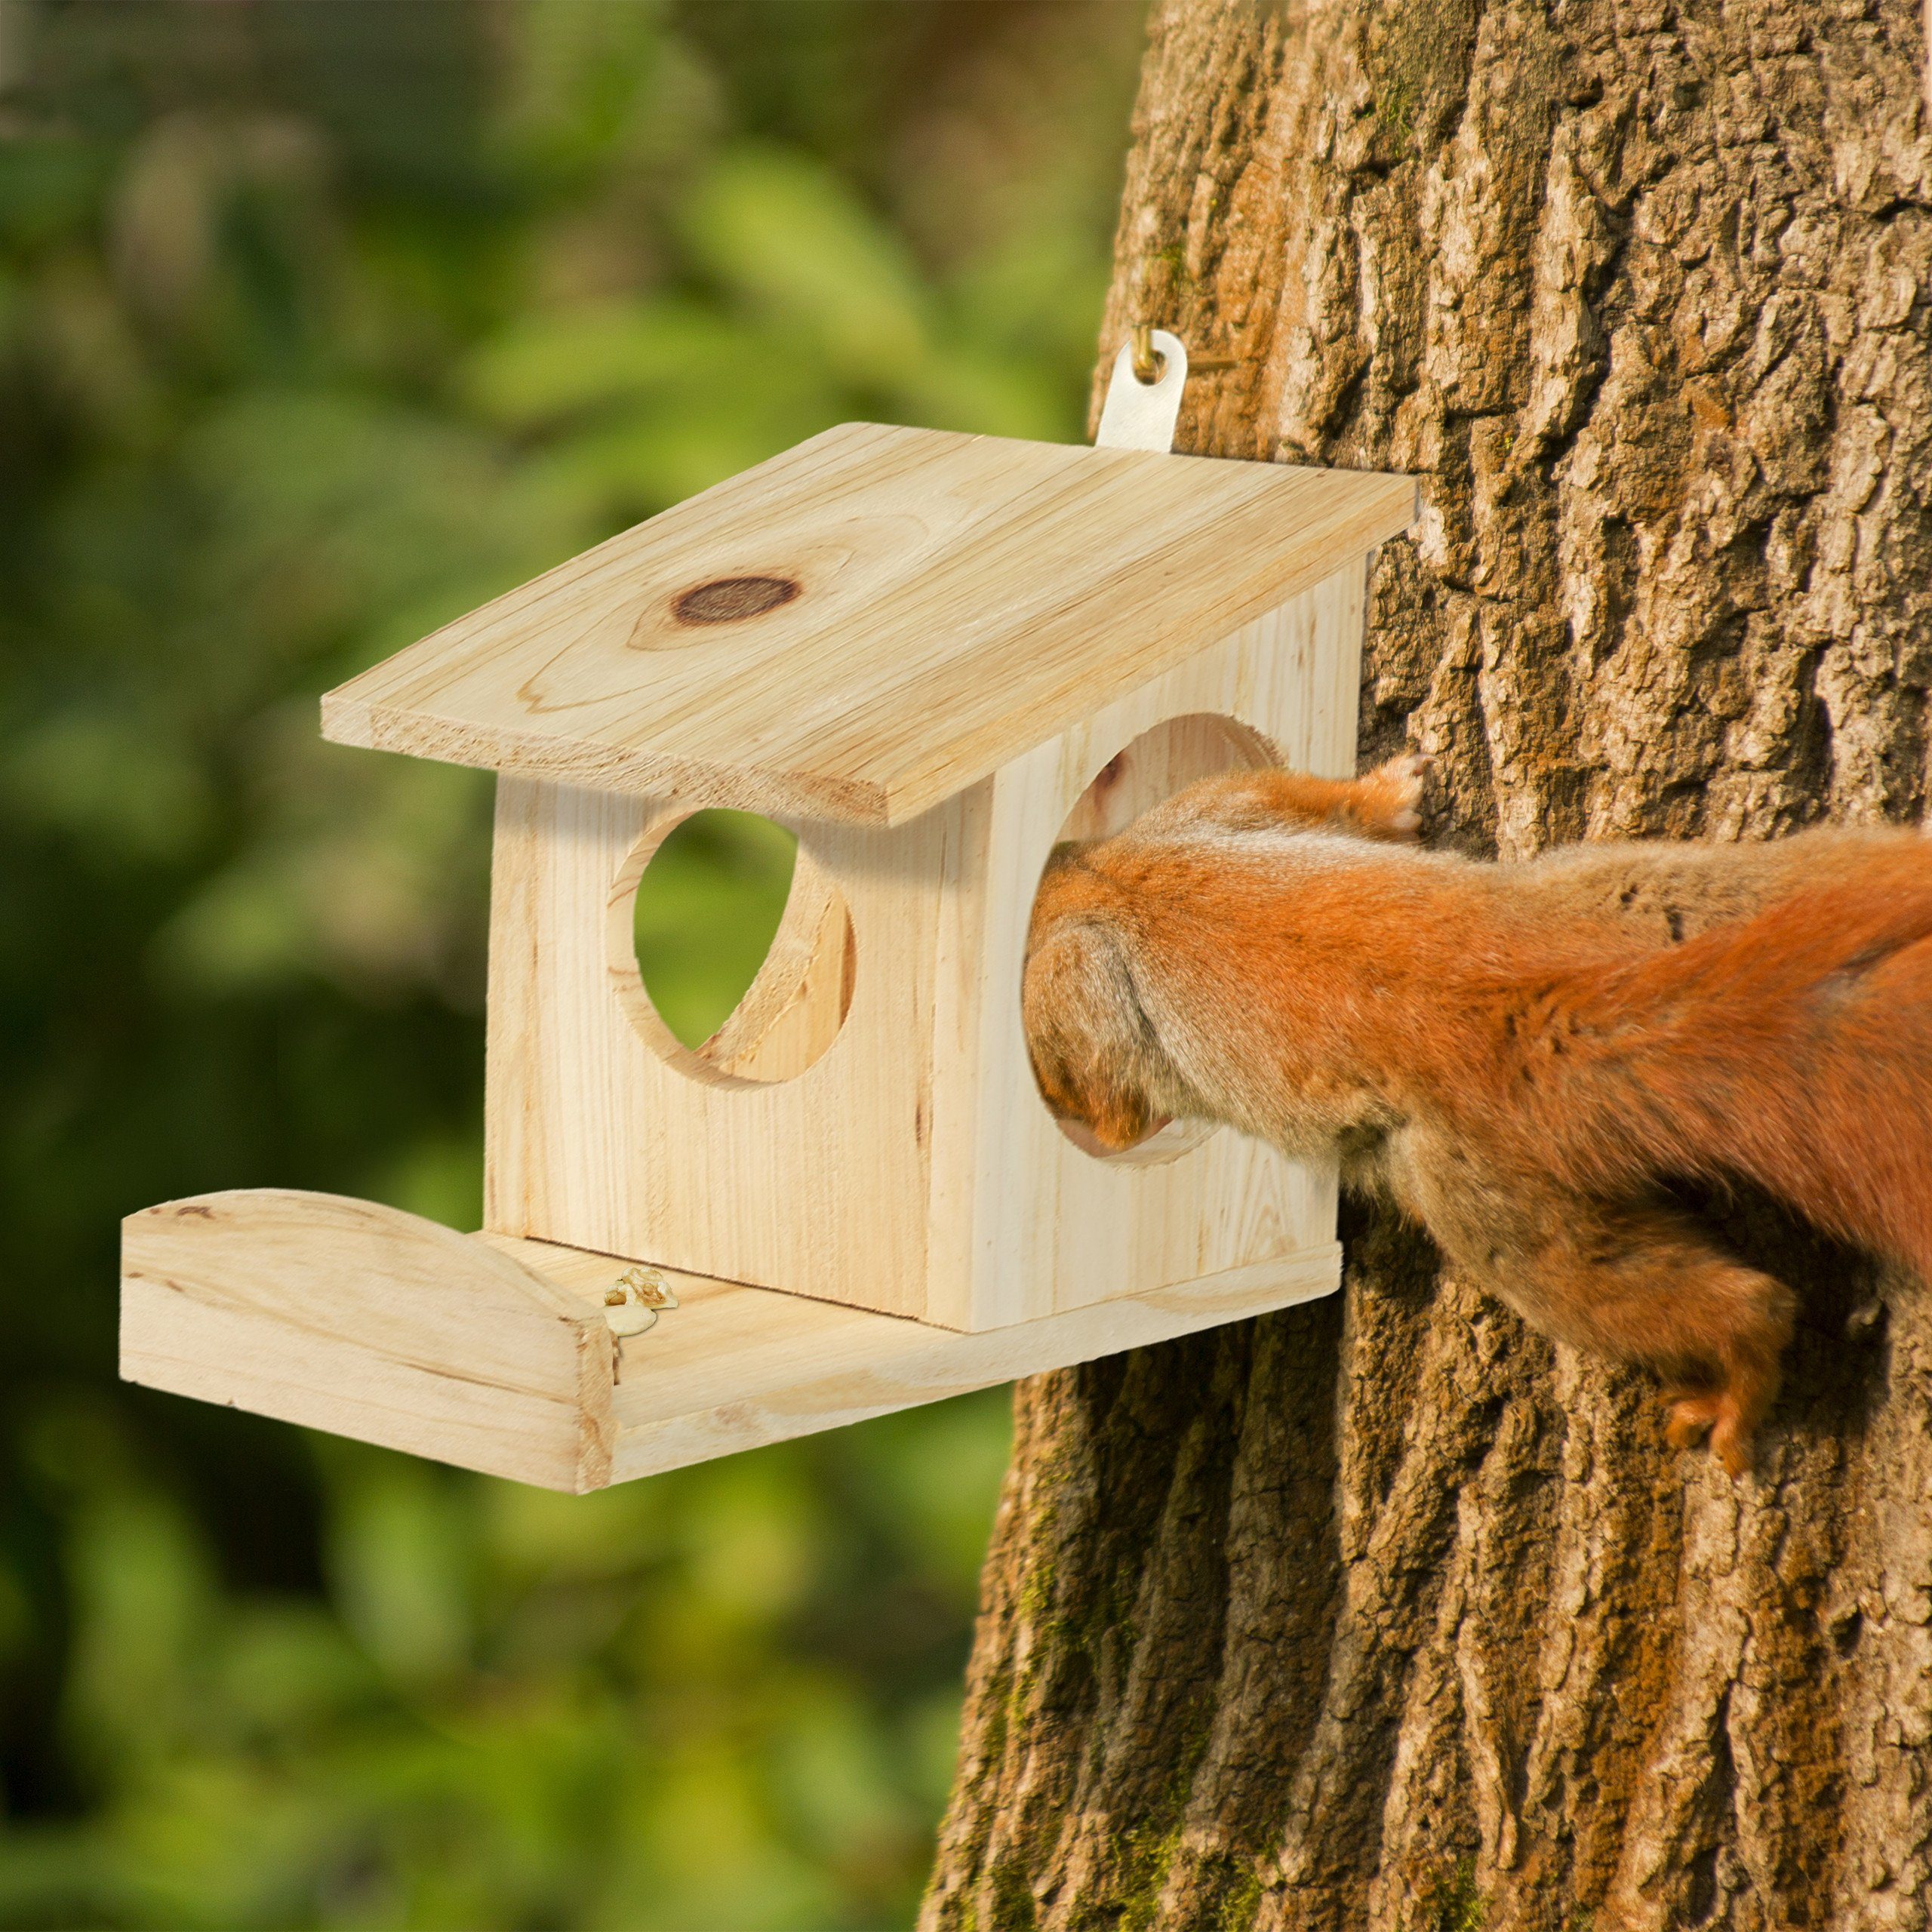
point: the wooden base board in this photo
(494, 1353)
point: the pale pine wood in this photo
(494, 1354)
(961, 600)
(996, 646)
(913, 1169)
(368, 1322)
(1023, 1221)
(794, 1008)
(732, 1367)
(602, 1132)
(1157, 764)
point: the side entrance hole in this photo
(1151, 769)
(744, 950)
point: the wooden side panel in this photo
(343, 1316)
(603, 1133)
(1024, 1222)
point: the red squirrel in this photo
(1523, 1057)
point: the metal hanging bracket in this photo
(1144, 392)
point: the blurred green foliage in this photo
(320, 324)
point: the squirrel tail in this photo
(1793, 1050)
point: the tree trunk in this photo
(1384, 1612)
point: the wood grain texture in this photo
(602, 1132)
(494, 1353)
(794, 1006)
(1023, 1221)
(732, 1367)
(912, 1168)
(366, 1321)
(954, 600)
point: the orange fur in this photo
(1523, 1056)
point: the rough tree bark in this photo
(1383, 1613)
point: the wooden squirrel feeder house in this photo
(933, 656)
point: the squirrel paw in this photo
(1692, 1419)
(1715, 1416)
(1393, 794)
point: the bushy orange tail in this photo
(1793, 1050)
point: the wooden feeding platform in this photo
(498, 1354)
(932, 657)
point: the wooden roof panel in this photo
(868, 623)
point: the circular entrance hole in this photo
(744, 950)
(1151, 769)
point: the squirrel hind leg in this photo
(1734, 1323)
(1749, 1315)
(1649, 1287)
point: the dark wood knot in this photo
(726, 600)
